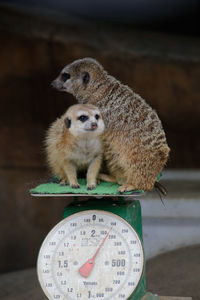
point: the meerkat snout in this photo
(94, 125)
(58, 83)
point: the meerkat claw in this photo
(91, 187)
(126, 188)
(75, 186)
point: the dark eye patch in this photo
(65, 76)
(83, 118)
(67, 122)
(97, 117)
(86, 77)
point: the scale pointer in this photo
(87, 267)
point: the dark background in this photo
(152, 47)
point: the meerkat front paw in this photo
(75, 186)
(91, 187)
(126, 188)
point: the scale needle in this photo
(87, 267)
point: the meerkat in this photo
(136, 149)
(73, 143)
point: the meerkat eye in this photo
(65, 76)
(83, 118)
(97, 117)
(86, 77)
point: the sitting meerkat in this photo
(136, 149)
(73, 143)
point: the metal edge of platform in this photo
(87, 195)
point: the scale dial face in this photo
(92, 254)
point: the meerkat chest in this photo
(85, 151)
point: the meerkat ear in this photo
(86, 77)
(67, 122)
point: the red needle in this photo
(87, 267)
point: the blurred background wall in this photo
(152, 47)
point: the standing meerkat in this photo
(73, 143)
(135, 144)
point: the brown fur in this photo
(135, 144)
(72, 149)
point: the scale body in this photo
(119, 209)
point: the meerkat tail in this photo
(107, 178)
(161, 188)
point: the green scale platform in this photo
(52, 188)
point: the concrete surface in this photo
(175, 273)
(176, 223)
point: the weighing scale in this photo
(96, 251)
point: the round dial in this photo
(92, 254)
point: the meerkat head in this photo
(79, 77)
(84, 119)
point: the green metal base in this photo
(129, 211)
